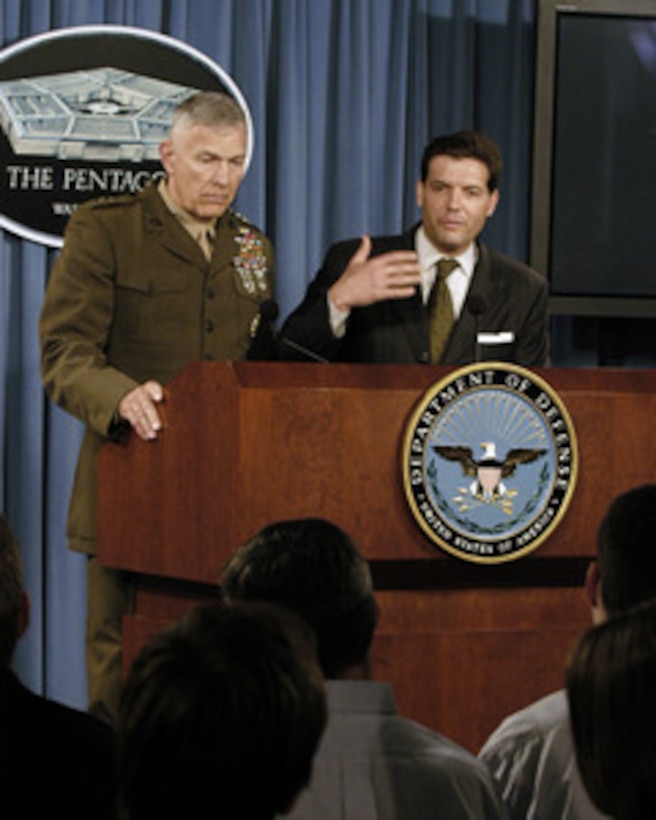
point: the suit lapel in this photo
(462, 343)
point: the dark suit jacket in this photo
(55, 762)
(513, 297)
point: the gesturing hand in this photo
(138, 407)
(369, 279)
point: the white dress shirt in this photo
(531, 756)
(458, 280)
(373, 764)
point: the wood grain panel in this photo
(245, 444)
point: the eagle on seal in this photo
(489, 470)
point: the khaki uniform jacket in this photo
(132, 298)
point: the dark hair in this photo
(626, 549)
(466, 145)
(314, 568)
(11, 590)
(611, 681)
(225, 708)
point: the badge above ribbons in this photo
(490, 461)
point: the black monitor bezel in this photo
(543, 150)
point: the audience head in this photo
(225, 709)
(466, 145)
(14, 603)
(625, 570)
(611, 681)
(312, 567)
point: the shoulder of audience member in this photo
(531, 722)
(76, 726)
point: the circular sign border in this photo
(420, 408)
(53, 240)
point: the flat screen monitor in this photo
(593, 215)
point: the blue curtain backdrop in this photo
(344, 94)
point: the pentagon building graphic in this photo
(104, 114)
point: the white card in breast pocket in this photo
(505, 337)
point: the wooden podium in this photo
(248, 443)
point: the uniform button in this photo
(209, 326)
(209, 293)
(425, 357)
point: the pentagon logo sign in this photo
(490, 462)
(82, 113)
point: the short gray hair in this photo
(214, 109)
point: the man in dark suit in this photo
(54, 761)
(371, 301)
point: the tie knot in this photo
(205, 239)
(205, 235)
(445, 266)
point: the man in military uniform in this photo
(144, 285)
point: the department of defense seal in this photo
(489, 462)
